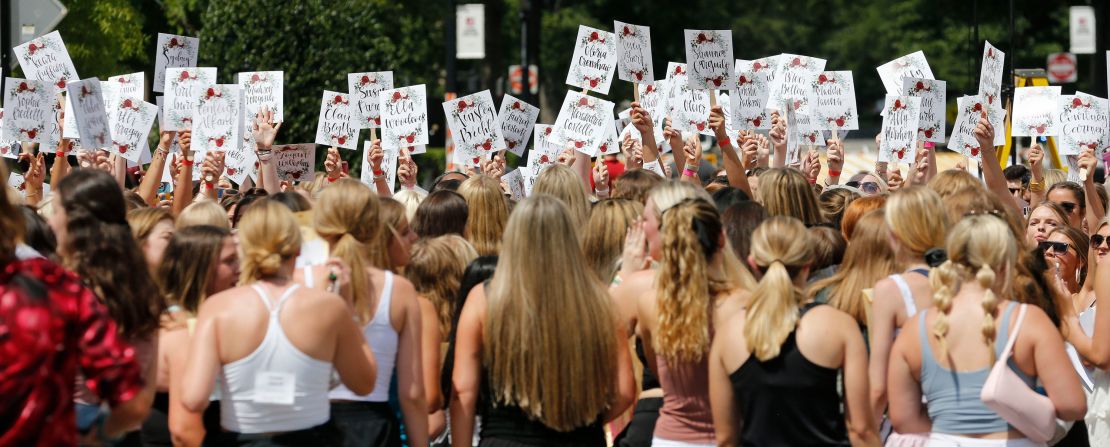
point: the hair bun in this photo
(269, 264)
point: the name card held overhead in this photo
(913, 65)
(131, 121)
(793, 80)
(933, 119)
(990, 78)
(404, 113)
(173, 51)
(474, 127)
(594, 60)
(218, 118)
(28, 110)
(634, 53)
(334, 126)
(516, 119)
(1082, 121)
(688, 108)
(709, 59)
(365, 89)
(899, 135)
(1035, 111)
(583, 123)
(750, 93)
(183, 89)
(835, 106)
(46, 59)
(295, 162)
(90, 113)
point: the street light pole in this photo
(525, 11)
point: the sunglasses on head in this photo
(1056, 247)
(1068, 206)
(867, 187)
(1097, 240)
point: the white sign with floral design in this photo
(793, 80)
(516, 119)
(183, 88)
(45, 59)
(913, 65)
(173, 51)
(218, 118)
(899, 141)
(709, 59)
(990, 76)
(132, 119)
(583, 122)
(1082, 119)
(474, 126)
(295, 162)
(594, 60)
(29, 108)
(129, 85)
(835, 106)
(404, 113)
(688, 108)
(90, 113)
(334, 127)
(634, 53)
(933, 116)
(365, 88)
(749, 95)
(1035, 111)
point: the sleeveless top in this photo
(790, 388)
(907, 294)
(256, 389)
(952, 397)
(685, 415)
(511, 423)
(383, 341)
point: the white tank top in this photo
(277, 388)
(383, 339)
(907, 298)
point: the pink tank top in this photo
(686, 415)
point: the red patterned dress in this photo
(51, 325)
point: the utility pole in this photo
(449, 38)
(7, 20)
(525, 12)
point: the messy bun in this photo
(268, 237)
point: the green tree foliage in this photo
(104, 37)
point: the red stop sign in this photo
(1061, 68)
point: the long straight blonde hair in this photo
(347, 217)
(781, 248)
(488, 213)
(561, 182)
(550, 344)
(868, 259)
(603, 241)
(786, 192)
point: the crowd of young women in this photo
(752, 308)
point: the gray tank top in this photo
(952, 397)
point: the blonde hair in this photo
(488, 212)
(393, 213)
(603, 241)
(562, 183)
(563, 381)
(978, 247)
(143, 221)
(868, 259)
(1054, 176)
(436, 269)
(346, 216)
(268, 237)
(780, 247)
(203, 212)
(915, 215)
(786, 192)
(834, 202)
(691, 231)
(411, 199)
(856, 210)
(950, 181)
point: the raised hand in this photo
(264, 128)
(641, 119)
(332, 164)
(406, 169)
(636, 255)
(984, 132)
(895, 181)
(212, 166)
(376, 156)
(1087, 163)
(566, 157)
(835, 156)
(185, 141)
(717, 122)
(601, 178)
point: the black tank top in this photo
(510, 423)
(788, 400)
(648, 378)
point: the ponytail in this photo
(691, 231)
(353, 254)
(985, 276)
(780, 247)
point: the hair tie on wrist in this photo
(833, 173)
(724, 142)
(934, 257)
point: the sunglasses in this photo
(1068, 206)
(1056, 247)
(867, 187)
(1097, 240)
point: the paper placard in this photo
(129, 85)
(131, 123)
(389, 167)
(990, 78)
(594, 60)
(53, 131)
(516, 119)
(913, 65)
(29, 108)
(835, 106)
(295, 162)
(239, 164)
(89, 112)
(365, 88)
(634, 53)
(545, 151)
(688, 108)
(709, 59)
(1082, 119)
(969, 112)
(749, 95)
(17, 182)
(45, 59)
(474, 126)
(218, 116)
(404, 113)
(334, 126)
(528, 176)
(583, 122)
(183, 88)
(653, 98)
(261, 89)
(933, 119)
(515, 181)
(174, 51)
(654, 166)
(1035, 111)
(793, 79)
(899, 140)
(9, 148)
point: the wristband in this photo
(187, 162)
(378, 172)
(812, 181)
(724, 142)
(833, 173)
(60, 154)
(687, 172)
(602, 191)
(332, 180)
(209, 186)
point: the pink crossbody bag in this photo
(1004, 392)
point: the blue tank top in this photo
(952, 397)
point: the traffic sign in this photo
(1061, 68)
(1082, 29)
(516, 80)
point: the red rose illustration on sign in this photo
(700, 125)
(920, 86)
(595, 37)
(408, 138)
(32, 48)
(256, 78)
(511, 144)
(758, 66)
(649, 89)
(366, 80)
(123, 80)
(679, 69)
(901, 153)
(593, 81)
(213, 93)
(545, 159)
(628, 31)
(547, 131)
(24, 87)
(462, 105)
(122, 148)
(129, 104)
(231, 171)
(756, 121)
(339, 100)
(61, 83)
(339, 139)
(186, 76)
(798, 62)
(85, 91)
(397, 96)
(517, 106)
(743, 80)
(715, 81)
(823, 78)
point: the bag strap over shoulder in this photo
(1013, 337)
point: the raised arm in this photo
(148, 187)
(1036, 168)
(734, 167)
(992, 170)
(778, 140)
(183, 185)
(642, 120)
(1095, 210)
(265, 132)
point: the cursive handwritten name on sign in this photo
(183, 88)
(90, 113)
(334, 126)
(295, 162)
(365, 88)
(28, 108)
(933, 116)
(404, 113)
(1082, 119)
(1035, 111)
(793, 80)
(131, 120)
(545, 151)
(634, 53)
(749, 95)
(835, 106)
(129, 85)
(474, 127)
(261, 90)
(583, 123)
(709, 59)
(687, 108)
(653, 98)
(516, 119)
(173, 51)
(990, 77)
(913, 65)
(46, 59)
(218, 119)
(594, 60)
(899, 141)
(969, 111)
(238, 165)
